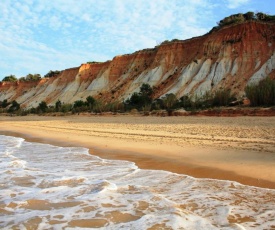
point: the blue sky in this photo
(40, 35)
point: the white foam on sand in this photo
(52, 187)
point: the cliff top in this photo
(232, 20)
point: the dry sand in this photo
(230, 148)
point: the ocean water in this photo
(48, 187)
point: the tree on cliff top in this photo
(10, 78)
(52, 73)
(31, 77)
(239, 18)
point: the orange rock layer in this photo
(231, 57)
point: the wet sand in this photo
(241, 149)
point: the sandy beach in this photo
(241, 149)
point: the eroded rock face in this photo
(229, 58)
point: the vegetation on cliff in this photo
(241, 18)
(31, 77)
(233, 20)
(249, 16)
(183, 68)
(94, 62)
(52, 73)
(10, 78)
(12, 107)
(262, 94)
(140, 100)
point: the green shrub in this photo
(42, 107)
(185, 102)
(94, 62)
(113, 107)
(232, 19)
(79, 104)
(10, 78)
(90, 102)
(261, 94)
(141, 99)
(239, 18)
(4, 104)
(223, 98)
(99, 107)
(58, 105)
(14, 107)
(52, 73)
(65, 108)
(249, 15)
(31, 77)
(169, 101)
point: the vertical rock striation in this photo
(230, 57)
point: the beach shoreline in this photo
(159, 143)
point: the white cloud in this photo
(55, 22)
(233, 4)
(43, 35)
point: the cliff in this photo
(230, 57)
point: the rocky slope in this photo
(231, 57)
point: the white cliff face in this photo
(151, 77)
(235, 67)
(214, 61)
(99, 84)
(196, 78)
(69, 92)
(207, 83)
(222, 70)
(6, 94)
(264, 71)
(185, 79)
(200, 77)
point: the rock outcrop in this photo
(230, 57)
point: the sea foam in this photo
(50, 187)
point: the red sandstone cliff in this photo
(231, 57)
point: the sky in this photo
(37, 36)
